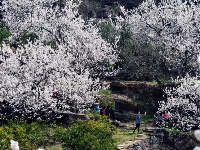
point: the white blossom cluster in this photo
(32, 72)
(183, 103)
(172, 26)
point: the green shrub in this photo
(17, 130)
(108, 32)
(29, 136)
(104, 92)
(4, 33)
(40, 133)
(178, 132)
(107, 101)
(88, 135)
(85, 135)
(5, 137)
(145, 118)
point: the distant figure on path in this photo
(106, 111)
(160, 119)
(97, 108)
(112, 114)
(165, 116)
(138, 120)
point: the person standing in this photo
(138, 120)
(160, 119)
(165, 116)
(97, 108)
(107, 113)
(112, 114)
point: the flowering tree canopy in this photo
(183, 103)
(173, 28)
(30, 73)
(170, 26)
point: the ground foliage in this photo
(90, 134)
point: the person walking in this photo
(138, 120)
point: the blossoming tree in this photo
(30, 73)
(172, 27)
(183, 103)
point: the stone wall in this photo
(145, 144)
(164, 140)
(124, 110)
(144, 96)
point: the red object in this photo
(55, 94)
(165, 116)
(104, 111)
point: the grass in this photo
(179, 132)
(123, 135)
(56, 147)
(120, 137)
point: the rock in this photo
(115, 123)
(69, 117)
(144, 95)
(118, 87)
(122, 125)
(124, 110)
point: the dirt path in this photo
(140, 137)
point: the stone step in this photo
(128, 142)
(141, 134)
(120, 147)
(140, 137)
(136, 141)
(150, 131)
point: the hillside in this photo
(130, 96)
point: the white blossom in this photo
(171, 26)
(31, 74)
(183, 103)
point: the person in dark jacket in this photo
(112, 114)
(107, 111)
(160, 119)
